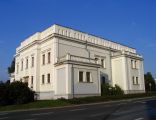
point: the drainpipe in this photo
(72, 77)
(110, 66)
(87, 50)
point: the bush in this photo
(107, 90)
(118, 90)
(15, 93)
(3, 93)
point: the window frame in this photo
(32, 61)
(49, 57)
(43, 79)
(137, 80)
(103, 63)
(27, 63)
(21, 65)
(96, 60)
(43, 59)
(132, 64)
(133, 80)
(32, 80)
(17, 70)
(48, 78)
(81, 76)
(88, 81)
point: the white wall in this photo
(64, 41)
(122, 73)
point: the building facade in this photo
(63, 62)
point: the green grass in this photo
(64, 102)
(36, 104)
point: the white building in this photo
(63, 62)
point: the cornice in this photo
(78, 63)
(129, 56)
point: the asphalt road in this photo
(144, 109)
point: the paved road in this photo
(144, 109)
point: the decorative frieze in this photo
(57, 29)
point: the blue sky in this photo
(131, 22)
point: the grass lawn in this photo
(64, 102)
(36, 104)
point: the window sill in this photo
(103, 68)
(85, 82)
(136, 84)
(134, 68)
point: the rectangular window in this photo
(48, 78)
(43, 59)
(21, 65)
(132, 63)
(32, 62)
(96, 60)
(27, 63)
(49, 55)
(137, 81)
(88, 76)
(136, 64)
(103, 63)
(80, 76)
(17, 68)
(32, 80)
(133, 79)
(42, 79)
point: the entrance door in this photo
(103, 80)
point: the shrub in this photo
(3, 93)
(107, 90)
(118, 90)
(16, 93)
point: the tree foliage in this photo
(149, 80)
(15, 93)
(11, 69)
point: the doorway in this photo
(103, 80)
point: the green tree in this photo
(15, 93)
(149, 82)
(3, 93)
(11, 69)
